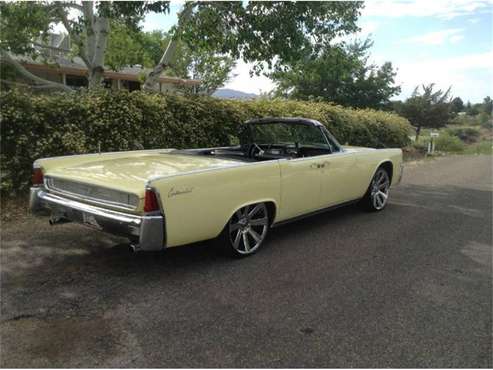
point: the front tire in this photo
(377, 195)
(246, 230)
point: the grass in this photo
(483, 147)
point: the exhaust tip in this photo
(58, 220)
(134, 248)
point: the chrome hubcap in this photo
(248, 227)
(380, 189)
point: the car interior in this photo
(275, 140)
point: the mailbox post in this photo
(431, 144)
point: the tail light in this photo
(37, 177)
(150, 201)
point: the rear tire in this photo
(245, 231)
(377, 195)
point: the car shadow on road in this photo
(76, 245)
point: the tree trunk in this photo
(153, 77)
(100, 28)
(90, 43)
(91, 50)
(95, 78)
(94, 48)
(38, 82)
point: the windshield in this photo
(287, 134)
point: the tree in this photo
(268, 34)
(23, 22)
(21, 26)
(340, 74)
(428, 108)
(473, 109)
(126, 47)
(488, 105)
(456, 105)
(134, 47)
(212, 69)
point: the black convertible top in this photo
(289, 120)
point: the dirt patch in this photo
(412, 154)
(62, 343)
(14, 209)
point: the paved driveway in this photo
(411, 286)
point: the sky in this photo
(449, 43)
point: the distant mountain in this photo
(233, 94)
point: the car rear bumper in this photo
(147, 231)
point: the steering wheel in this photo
(254, 150)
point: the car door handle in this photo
(317, 165)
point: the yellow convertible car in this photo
(283, 169)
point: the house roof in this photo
(127, 73)
(58, 61)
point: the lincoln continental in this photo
(281, 170)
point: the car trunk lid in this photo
(129, 174)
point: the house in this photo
(55, 64)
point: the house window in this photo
(107, 83)
(131, 85)
(76, 81)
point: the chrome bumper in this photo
(146, 231)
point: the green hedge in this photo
(36, 126)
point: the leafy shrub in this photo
(464, 120)
(482, 119)
(420, 146)
(448, 143)
(466, 134)
(37, 126)
(485, 120)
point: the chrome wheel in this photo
(248, 228)
(380, 189)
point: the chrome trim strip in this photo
(313, 213)
(326, 140)
(328, 136)
(161, 210)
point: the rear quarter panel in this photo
(198, 205)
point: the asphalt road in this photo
(407, 287)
